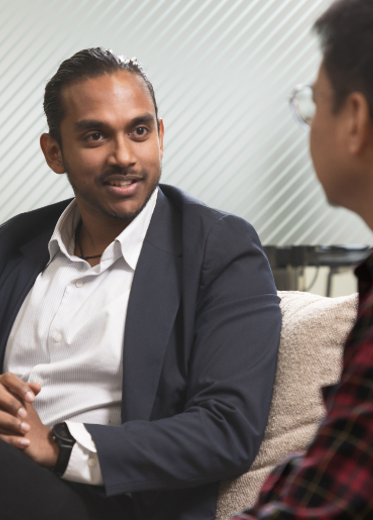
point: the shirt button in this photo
(39, 381)
(79, 284)
(57, 337)
(91, 462)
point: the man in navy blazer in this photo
(201, 331)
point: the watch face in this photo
(61, 430)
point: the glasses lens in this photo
(303, 104)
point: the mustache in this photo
(143, 174)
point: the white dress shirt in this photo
(68, 335)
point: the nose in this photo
(122, 154)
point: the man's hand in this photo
(42, 448)
(14, 394)
(20, 424)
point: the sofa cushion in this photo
(314, 330)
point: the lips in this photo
(121, 186)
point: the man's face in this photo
(111, 148)
(327, 143)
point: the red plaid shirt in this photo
(334, 479)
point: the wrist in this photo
(55, 450)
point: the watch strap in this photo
(65, 442)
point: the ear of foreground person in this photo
(333, 479)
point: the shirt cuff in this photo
(84, 466)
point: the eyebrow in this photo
(146, 118)
(89, 124)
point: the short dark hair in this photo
(346, 34)
(88, 63)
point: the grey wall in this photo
(222, 71)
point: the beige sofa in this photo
(314, 330)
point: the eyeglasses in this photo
(302, 104)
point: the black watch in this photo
(65, 441)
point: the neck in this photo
(95, 234)
(358, 198)
(364, 210)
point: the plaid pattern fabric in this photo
(333, 480)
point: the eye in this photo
(140, 132)
(95, 136)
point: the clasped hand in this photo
(20, 424)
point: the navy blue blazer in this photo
(199, 354)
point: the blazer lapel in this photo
(152, 308)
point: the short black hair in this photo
(346, 34)
(87, 63)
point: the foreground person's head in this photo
(104, 132)
(342, 126)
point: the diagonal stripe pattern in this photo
(222, 72)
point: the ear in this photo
(360, 126)
(52, 153)
(161, 135)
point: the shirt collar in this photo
(130, 241)
(63, 238)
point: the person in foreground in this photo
(141, 324)
(333, 480)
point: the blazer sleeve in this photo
(231, 372)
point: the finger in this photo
(11, 424)
(11, 403)
(35, 387)
(18, 442)
(12, 390)
(17, 386)
(4, 431)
